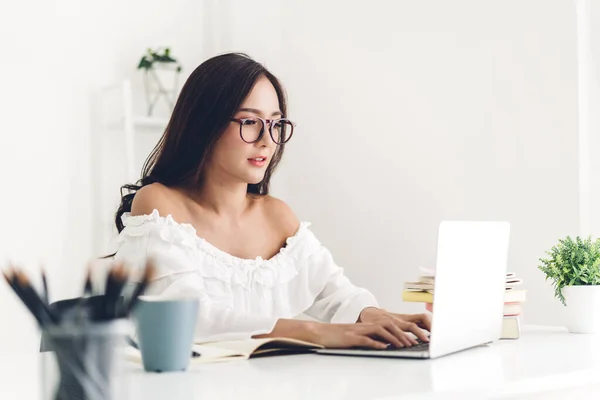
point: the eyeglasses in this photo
(253, 129)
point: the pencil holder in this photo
(85, 361)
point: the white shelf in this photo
(146, 123)
(150, 122)
(129, 122)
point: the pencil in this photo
(119, 280)
(31, 298)
(10, 280)
(123, 276)
(114, 285)
(45, 283)
(87, 290)
(34, 297)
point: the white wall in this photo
(178, 24)
(56, 56)
(44, 149)
(413, 112)
(483, 95)
(588, 14)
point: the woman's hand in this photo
(375, 329)
(373, 335)
(423, 321)
(399, 324)
(376, 332)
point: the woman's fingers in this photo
(365, 341)
(413, 328)
(397, 331)
(424, 320)
(376, 332)
(427, 323)
(385, 333)
(390, 332)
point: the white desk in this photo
(546, 363)
(544, 359)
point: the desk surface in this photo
(544, 361)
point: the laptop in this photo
(469, 288)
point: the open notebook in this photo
(240, 349)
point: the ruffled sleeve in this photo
(174, 248)
(337, 300)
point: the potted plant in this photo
(161, 74)
(574, 268)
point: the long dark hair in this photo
(208, 100)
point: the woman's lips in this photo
(258, 161)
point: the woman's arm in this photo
(335, 335)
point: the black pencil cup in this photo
(85, 361)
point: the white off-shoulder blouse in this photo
(239, 297)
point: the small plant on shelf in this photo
(154, 56)
(159, 66)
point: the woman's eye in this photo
(248, 122)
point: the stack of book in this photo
(421, 291)
(514, 297)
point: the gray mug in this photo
(165, 330)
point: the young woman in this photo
(202, 211)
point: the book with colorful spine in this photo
(422, 291)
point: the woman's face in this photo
(232, 156)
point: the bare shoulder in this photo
(154, 197)
(281, 215)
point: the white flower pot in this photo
(583, 308)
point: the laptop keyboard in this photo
(420, 346)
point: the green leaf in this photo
(572, 261)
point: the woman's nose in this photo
(266, 140)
